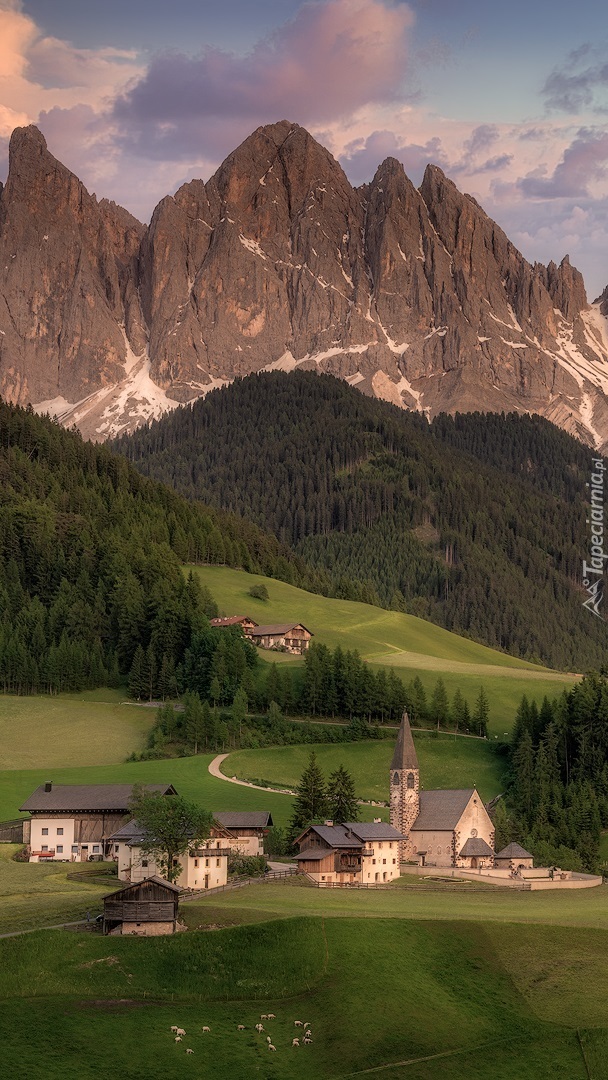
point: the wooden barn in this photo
(146, 909)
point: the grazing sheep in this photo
(189, 1051)
(259, 1028)
(180, 1031)
(178, 1038)
(307, 1041)
(271, 1016)
(298, 1023)
(264, 1016)
(174, 1029)
(307, 1033)
(206, 1029)
(295, 1042)
(241, 1027)
(271, 1047)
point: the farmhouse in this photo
(243, 830)
(350, 854)
(443, 828)
(290, 637)
(145, 909)
(74, 822)
(203, 867)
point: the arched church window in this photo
(396, 778)
(411, 782)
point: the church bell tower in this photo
(405, 785)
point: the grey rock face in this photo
(416, 296)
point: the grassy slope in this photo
(91, 728)
(375, 993)
(389, 638)
(445, 762)
(40, 894)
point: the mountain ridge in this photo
(277, 262)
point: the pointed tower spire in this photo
(405, 787)
(405, 752)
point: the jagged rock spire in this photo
(405, 752)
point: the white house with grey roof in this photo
(73, 822)
(350, 854)
(443, 827)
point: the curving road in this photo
(214, 769)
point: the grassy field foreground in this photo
(439, 997)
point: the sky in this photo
(510, 100)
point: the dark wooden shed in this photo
(145, 909)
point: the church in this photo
(441, 828)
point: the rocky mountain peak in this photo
(412, 295)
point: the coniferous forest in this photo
(90, 556)
(476, 522)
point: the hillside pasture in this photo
(383, 993)
(40, 894)
(446, 761)
(392, 639)
(96, 727)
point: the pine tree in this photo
(239, 710)
(440, 704)
(137, 682)
(194, 719)
(310, 804)
(342, 802)
(481, 714)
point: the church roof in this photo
(405, 752)
(513, 851)
(475, 846)
(441, 810)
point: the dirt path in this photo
(214, 769)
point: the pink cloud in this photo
(585, 160)
(331, 59)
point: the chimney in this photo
(330, 823)
(377, 821)
(48, 786)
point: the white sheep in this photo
(307, 1033)
(241, 1027)
(264, 1016)
(189, 1051)
(174, 1029)
(271, 1016)
(271, 1047)
(295, 1042)
(206, 1029)
(259, 1028)
(180, 1031)
(307, 1041)
(298, 1023)
(178, 1038)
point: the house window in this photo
(384, 862)
(380, 846)
(394, 861)
(116, 847)
(59, 832)
(96, 847)
(45, 847)
(206, 862)
(391, 845)
(74, 849)
(196, 862)
(374, 862)
(217, 862)
(60, 849)
(411, 783)
(144, 863)
(45, 832)
(395, 778)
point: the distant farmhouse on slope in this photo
(286, 637)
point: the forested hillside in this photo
(475, 522)
(90, 556)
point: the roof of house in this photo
(276, 628)
(475, 846)
(514, 851)
(312, 855)
(85, 797)
(335, 836)
(137, 884)
(441, 810)
(232, 620)
(405, 756)
(244, 819)
(129, 833)
(376, 830)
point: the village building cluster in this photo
(282, 637)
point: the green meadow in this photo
(390, 639)
(92, 728)
(403, 997)
(446, 761)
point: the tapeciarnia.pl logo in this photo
(593, 571)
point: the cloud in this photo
(362, 156)
(584, 160)
(581, 83)
(332, 58)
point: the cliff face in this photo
(415, 296)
